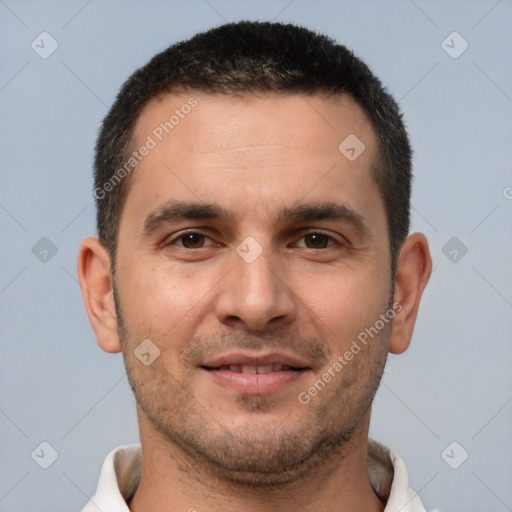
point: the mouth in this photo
(251, 369)
(256, 373)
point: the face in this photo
(253, 253)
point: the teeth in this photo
(250, 369)
(265, 369)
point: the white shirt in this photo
(121, 472)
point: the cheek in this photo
(163, 301)
(345, 302)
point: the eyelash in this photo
(181, 236)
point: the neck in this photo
(171, 481)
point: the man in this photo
(255, 269)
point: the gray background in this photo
(454, 383)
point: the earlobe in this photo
(95, 279)
(412, 274)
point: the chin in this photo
(261, 453)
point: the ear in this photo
(413, 270)
(96, 283)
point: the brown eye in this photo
(316, 240)
(192, 240)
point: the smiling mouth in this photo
(256, 373)
(255, 369)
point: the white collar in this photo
(121, 472)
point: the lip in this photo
(256, 383)
(259, 358)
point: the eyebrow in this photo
(174, 211)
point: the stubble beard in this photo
(257, 454)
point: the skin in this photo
(206, 445)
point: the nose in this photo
(256, 294)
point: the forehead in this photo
(221, 122)
(219, 148)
